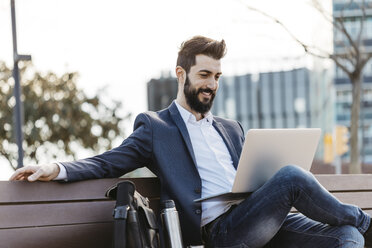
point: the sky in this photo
(121, 45)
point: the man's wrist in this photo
(62, 174)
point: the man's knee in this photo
(293, 173)
(349, 236)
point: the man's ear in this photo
(180, 74)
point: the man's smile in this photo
(206, 92)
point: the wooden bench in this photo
(77, 214)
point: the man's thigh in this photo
(302, 232)
(254, 221)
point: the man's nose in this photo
(212, 84)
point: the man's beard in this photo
(193, 101)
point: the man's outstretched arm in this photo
(133, 153)
(32, 173)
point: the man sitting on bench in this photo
(195, 154)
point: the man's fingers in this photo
(21, 177)
(14, 176)
(32, 173)
(17, 175)
(36, 175)
(23, 172)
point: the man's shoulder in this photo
(156, 114)
(152, 116)
(225, 120)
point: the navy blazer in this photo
(161, 142)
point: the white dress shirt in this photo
(213, 161)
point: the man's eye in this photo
(204, 75)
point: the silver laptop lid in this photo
(265, 151)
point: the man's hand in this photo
(32, 173)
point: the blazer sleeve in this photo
(134, 152)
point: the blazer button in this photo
(197, 190)
(197, 211)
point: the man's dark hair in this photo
(199, 45)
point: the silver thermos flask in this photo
(171, 225)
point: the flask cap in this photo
(168, 204)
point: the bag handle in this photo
(123, 193)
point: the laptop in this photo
(264, 152)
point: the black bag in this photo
(135, 223)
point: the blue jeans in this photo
(263, 219)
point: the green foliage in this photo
(57, 116)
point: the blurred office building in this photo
(351, 14)
(161, 92)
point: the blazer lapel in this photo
(176, 116)
(226, 138)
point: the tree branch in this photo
(6, 155)
(308, 49)
(339, 64)
(348, 55)
(341, 21)
(327, 16)
(365, 60)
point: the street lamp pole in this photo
(18, 111)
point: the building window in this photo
(368, 28)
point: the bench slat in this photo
(55, 214)
(361, 199)
(346, 182)
(98, 235)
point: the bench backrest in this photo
(79, 215)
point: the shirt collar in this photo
(187, 116)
